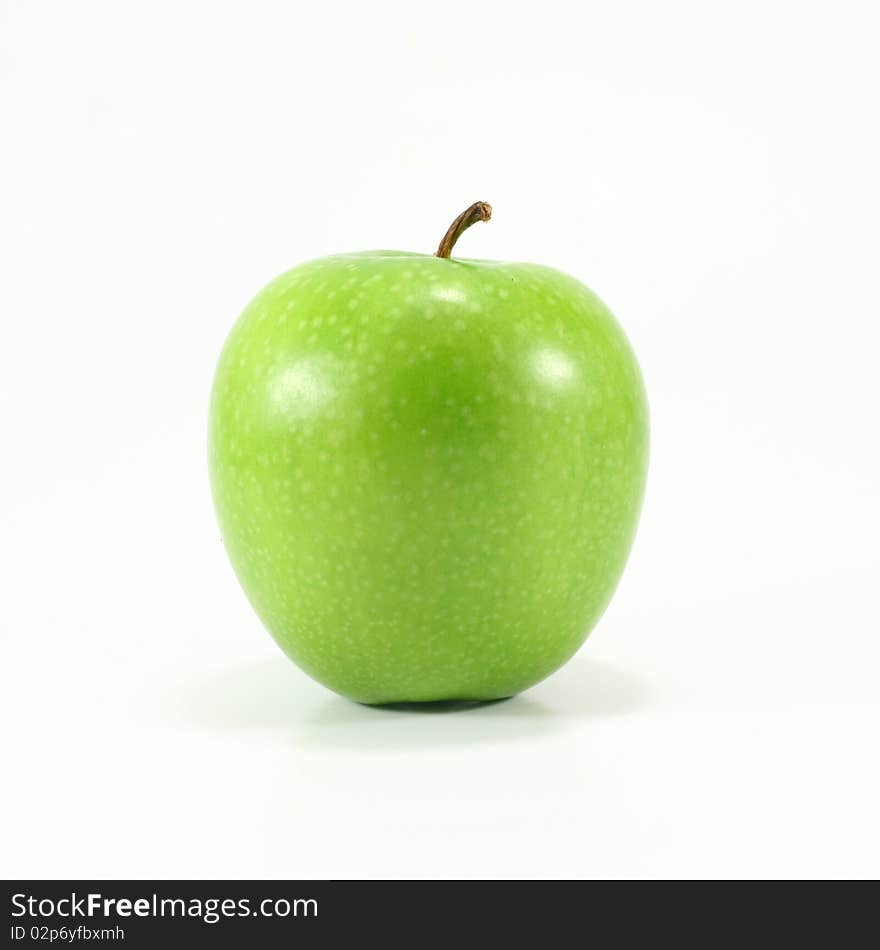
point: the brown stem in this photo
(479, 211)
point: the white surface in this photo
(710, 169)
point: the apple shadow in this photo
(272, 697)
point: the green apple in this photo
(428, 471)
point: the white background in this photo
(710, 169)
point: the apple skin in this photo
(427, 472)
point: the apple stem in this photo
(479, 211)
